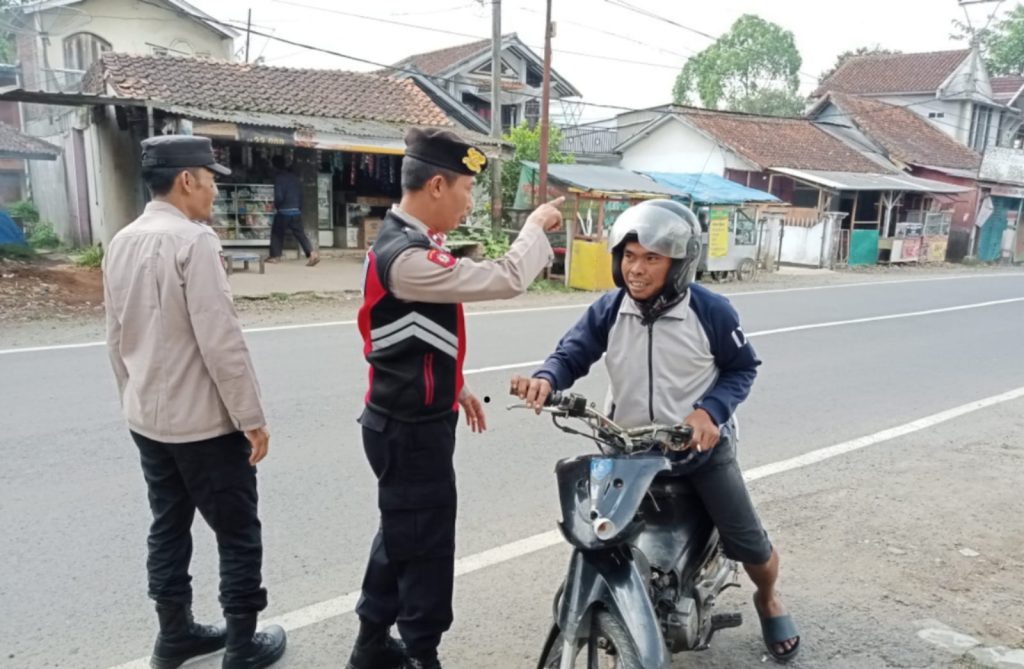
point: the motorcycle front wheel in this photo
(609, 647)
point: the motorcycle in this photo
(647, 565)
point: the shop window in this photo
(746, 228)
(83, 49)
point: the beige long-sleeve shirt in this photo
(432, 275)
(183, 370)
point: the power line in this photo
(618, 35)
(478, 38)
(658, 17)
(527, 96)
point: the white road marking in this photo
(887, 317)
(331, 608)
(502, 368)
(562, 307)
(762, 333)
(799, 328)
(822, 454)
(890, 282)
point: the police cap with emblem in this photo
(445, 149)
(180, 151)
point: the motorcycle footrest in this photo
(721, 621)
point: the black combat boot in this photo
(375, 649)
(249, 649)
(180, 638)
(425, 660)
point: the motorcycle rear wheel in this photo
(610, 641)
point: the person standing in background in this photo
(288, 213)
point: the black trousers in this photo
(410, 573)
(284, 223)
(215, 477)
(718, 481)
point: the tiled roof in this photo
(894, 73)
(215, 84)
(434, 63)
(16, 144)
(1005, 88)
(780, 142)
(906, 136)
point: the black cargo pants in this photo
(410, 573)
(215, 477)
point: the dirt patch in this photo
(48, 289)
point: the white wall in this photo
(128, 25)
(802, 246)
(48, 181)
(114, 177)
(677, 147)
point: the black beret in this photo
(443, 148)
(180, 151)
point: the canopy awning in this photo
(604, 180)
(709, 188)
(861, 181)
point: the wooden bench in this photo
(245, 258)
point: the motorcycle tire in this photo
(608, 627)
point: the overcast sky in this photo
(597, 31)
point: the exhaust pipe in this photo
(604, 529)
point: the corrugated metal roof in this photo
(857, 181)
(711, 188)
(356, 128)
(605, 179)
(1003, 165)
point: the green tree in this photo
(1004, 45)
(754, 67)
(875, 50)
(527, 143)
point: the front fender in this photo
(612, 579)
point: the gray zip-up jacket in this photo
(692, 356)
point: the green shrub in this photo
(24, 211)
(41, 236)
(17, 252)
(90, 257)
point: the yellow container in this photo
(590, 267)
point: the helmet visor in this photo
(658, 230)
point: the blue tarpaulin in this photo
(711, 188)
(9, 232)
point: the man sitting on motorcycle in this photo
(675, 352)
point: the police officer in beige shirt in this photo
(190, 396)
(415, 341)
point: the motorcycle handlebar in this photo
(574, 405)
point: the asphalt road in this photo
(73, 515)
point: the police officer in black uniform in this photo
(414, 335)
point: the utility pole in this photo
(545, 102)
(496, 114)
(248, 35)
